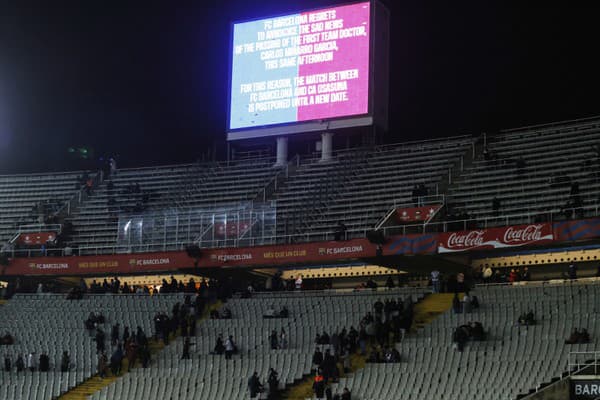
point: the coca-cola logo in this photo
(468, 239)
(529, 233)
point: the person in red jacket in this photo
(319, 385)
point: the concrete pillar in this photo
(326, 146)
(282, 150)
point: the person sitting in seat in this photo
(7, 339)
(226, 313)
(65, 362)
(574, 338)
(374, 357)
(273, 340)
(477, 332)
(284, 313)
(527, 319)
(44, 362)
(584, 336)
(219, 347)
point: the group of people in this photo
(389, 355)
(578, 337)
(467, 304)
(466, 332)
(256, 387)
(33, 363)
(278, 340)
(527, 319)
(227, 347)
(323, 391)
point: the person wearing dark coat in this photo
(20, 364)
(254, 385)
(273, 340)
(273, 381)
(346, 395)
(317, 358)
(44, 362)
(65, 362)
(7, 364)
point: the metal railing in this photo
(580, 361)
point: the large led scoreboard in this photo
(312, 71)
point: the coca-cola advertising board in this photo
(495, 238)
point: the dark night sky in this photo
(149, 82)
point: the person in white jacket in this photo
(31, 361)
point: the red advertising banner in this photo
(148, 262)
(495, 238)
(38, 238)
(416, 214)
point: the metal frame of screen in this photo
(378, 84)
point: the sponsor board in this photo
(495, 238)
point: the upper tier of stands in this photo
(511, 361)
(20, 195)
(358, 187)
(50, 324)
(567, 151)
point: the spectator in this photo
(44, 362)
(390, 282)
(346, 394)
(572, 271)
(102, 365)
(65, 362)
(574, 338)
(31, 361)
(466, 303)
(186, 349)
(219, 347)
(526, 276)
(229, 347)
(114, 335)
(435, 280)
(116, 361)
(254, 385)
(273, 382)
(20, 364)
(456, 304)
(527, 319)
(273, 340)
(284, 313)
(317, 358)
(298, 282)
(283, 342)
(99, 340)
(513, 276)
(460, 337)
(487, 274)
(584, 336)
(7, 364)
(319, 385)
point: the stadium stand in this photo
(50, 324)
(206, 375)
(362, 185)
(21, 194)
(512, 360)
(201, 187)
(554, 157)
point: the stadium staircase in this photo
(95, 383)
(430, 308)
